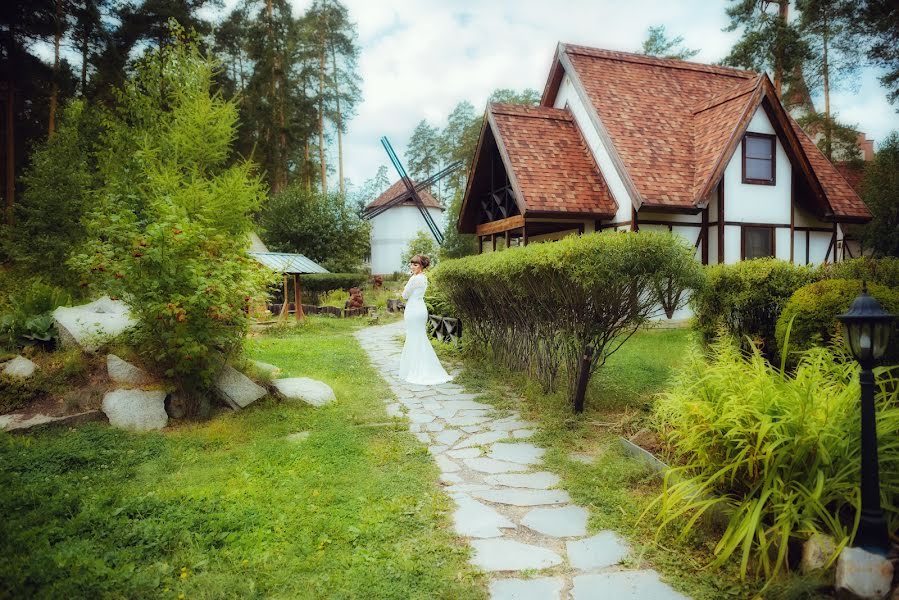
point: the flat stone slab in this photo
(449, 437)
(91, 325)
(481, 439)
(623, 585)
(418, 416)
(236, 389)
(465, 453)
(394, 410)
(123, 372)
(266, 367)
(510, 425)
(509, 555)
(523, 434)
(522, 497)
(489, 465)
(446, 465)
(18, 423)
(538, 481)
(136, 410)
(568, 521)
(477, 520)
(310, 391)
(544, 588)
(424, 438)
(602, 550)
(526, 454)
(19, 368)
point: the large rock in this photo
(817, 552)
(19, 368)
(91, 325)
(238, 390)
(136, 410)
(123, 372)
(862, 574)
(310, 391)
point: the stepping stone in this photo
(522, 497)
(446, 465)
(544, 588)
(526, 454)
(465, 453)
(310, 391)
(463, 421)
(394, 410)
(436, 449)
(509, 555)
(623, 585)
(434, 427)
(424, 438)
(465, 488)
(450, 478)
(522, 434)
(474, 519)
(417, 416)
(489, 465)
(509, 425)
(471, 429)
(481, 439)
(445, 413)
(602, 550)
(300, 436)
(459, 397)
(538, 481)
(568, 521)
(466, 405)
(449, 437)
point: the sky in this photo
(419, 58)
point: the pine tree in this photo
(657, 43)
(879, 22)
(881, 194)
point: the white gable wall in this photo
(391, 232)
(568, 96)
(751, 203)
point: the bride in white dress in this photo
(419, 363)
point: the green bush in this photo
(746, 299)
(813, 309)
(884, 271)
(423, 243)
(28, 321)
(571, 303)
(314, 285)
(776, 453)
(169, 233)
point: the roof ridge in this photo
(534, 112)
(670, 63)
(727, 96)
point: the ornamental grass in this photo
(776, 452)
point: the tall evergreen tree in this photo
(879, 21)
(881, 194)
(657, 43)
(422, 153)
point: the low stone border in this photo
(41, 422)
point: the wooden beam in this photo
(792, 213)
(500, 225)
(284, 309)
(635, 223)
(297, 298)
(493, 240)
(480, 245)
(705, 236)
(508, 239)
(721, 222)
(524, 235)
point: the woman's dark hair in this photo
(421, 259)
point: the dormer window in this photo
(758, 158)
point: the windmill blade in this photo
(413, 193)
(403, 196)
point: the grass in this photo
(614, 487)
(229, 508)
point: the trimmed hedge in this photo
(316, 283)
(884, 271)
(814, 308)
(570, 303)
(747, 297)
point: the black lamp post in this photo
(867, 331)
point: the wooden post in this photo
(721, 222)
(524, 234)
(480, 245)
(508, 239)
(493, 238)
(635, 221)
(705, 235)
(284, 309)
(297, 298)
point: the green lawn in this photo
(229, 508)
(616, 488)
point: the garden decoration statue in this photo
(356, 300)
(867, 331)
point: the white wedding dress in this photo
(419, 363)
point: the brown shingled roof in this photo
(398, 188)
(674, 124)
(549, 162)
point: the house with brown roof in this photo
(626, 141)
(392, 229)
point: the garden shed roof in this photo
(282, 262)
(397, 189)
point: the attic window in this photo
(758, 159)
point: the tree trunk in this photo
(321, 118)
(339, 117)
(54, 93)
(10, 147)
(783, 15)
(583, 377)
(825, 72)
(273, 91)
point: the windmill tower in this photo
(400, 213)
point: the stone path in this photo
(516, 518)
